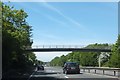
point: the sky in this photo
(70, 23)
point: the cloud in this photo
(45, 15)
(45, 4)
(56, 20)
(48, 36)
(61, 14)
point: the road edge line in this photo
(66, 76)
(31, 75)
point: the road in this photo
(56, 73)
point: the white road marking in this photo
(31, 75)
(66, 77)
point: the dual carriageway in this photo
(56, 73)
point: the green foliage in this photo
(38, 62)
(58, 61)
(99, 46)
(89, 59)
(55, 61)
(83, 58)
(115, 56)
(16, 35)
(63, 60)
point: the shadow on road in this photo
(73, 73)
(45, 78)
(44, 73)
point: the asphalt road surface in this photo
(56, 73)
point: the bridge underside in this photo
(67, 49)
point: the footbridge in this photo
(56, 48)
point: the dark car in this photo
(40, 67)
(71, 67)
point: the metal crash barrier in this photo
(102, 70)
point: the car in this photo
(40, 67)
(71, 67)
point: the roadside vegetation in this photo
(109, 59)
(16, 34)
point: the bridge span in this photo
(56, 48)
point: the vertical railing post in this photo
(88, 70)
(36, 46)
(83, 70)
(103, 72)
(114, 73)
(49, 46)
(95, 71)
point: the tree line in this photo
(16, 34)
(109, 59)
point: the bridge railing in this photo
(65, 46)
(57, 46)
(102, 70)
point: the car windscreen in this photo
(72, 64)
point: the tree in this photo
(76, 57)
(55, 61)
(89, 59)
(83, 58)
(70, 57)
(16, 35)
(63, 59)
(115, 56)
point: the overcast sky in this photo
(70, 23)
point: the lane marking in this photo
(66, 77)
(31, 75)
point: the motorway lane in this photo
(56, 73)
